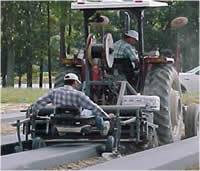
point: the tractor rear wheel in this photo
(59, 80)
(162, 80)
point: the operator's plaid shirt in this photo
(123, 50)
(67, 96)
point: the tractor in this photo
(149, 111)
(156, 77)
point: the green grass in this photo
(21, 95)
(190, 98)
(30, 95)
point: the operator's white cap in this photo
(133, 34)
(72, 76)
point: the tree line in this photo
(36, 36)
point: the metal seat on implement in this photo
(47, 111)
(70, 119)
(66, 112)
(71, 113)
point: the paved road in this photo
(12, 116)
(8, 118)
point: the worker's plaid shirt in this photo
(67, 96)
(124, 50)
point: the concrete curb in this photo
(48, 157)
(178, 155)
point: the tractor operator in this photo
(69, 96)
(125, 56)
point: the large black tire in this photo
(191, 120)
(153, 139)
(110, 144)
(59, 80)
(162, 80)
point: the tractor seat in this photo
(47, 111)
(66, 113)
(71, 113)
(67, 110)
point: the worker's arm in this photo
(86, 103)
(41, 102)
(130, 53)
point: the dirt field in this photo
(6, 108)
(7, 128)
(80, 164)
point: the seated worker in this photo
(69, 96)
(125, 57)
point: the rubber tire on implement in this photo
(38, 143)
(191, 120)
(110, 143)
(153, 139)
(162, 80)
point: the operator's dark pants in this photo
(125, 67)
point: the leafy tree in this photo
(158, 31)
(8, 37)
(30, 36)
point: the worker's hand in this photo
(137, 64)
(111, 115)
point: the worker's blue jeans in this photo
(99, 119)
(99, 122)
